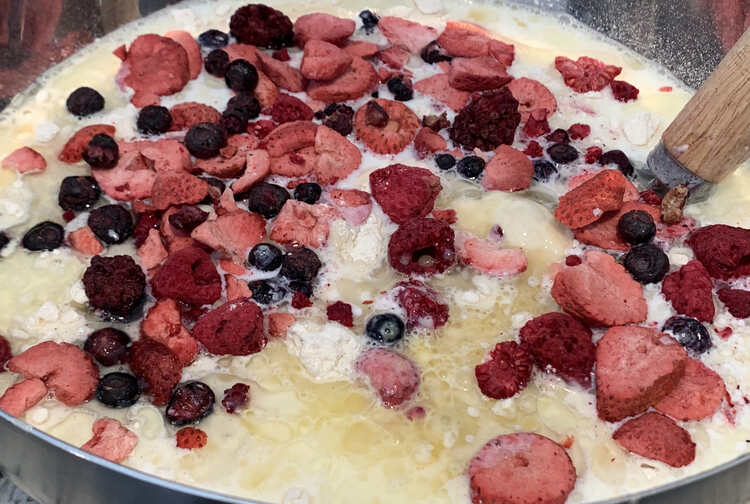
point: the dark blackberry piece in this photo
(263, 26)
(84, 101)
(44, 236)
(267, 199)
(108, 346)
(111, 223)
(190, 403)
(266, 292)
(188, 218)
(118, 390)
(4, 240)
(78, 193)
(470, 167)
(490, 119)
(445, 161)
(433, 53)
(562, 153)
(558, 136)
(401, 88)
(216, 63)
(265, 257)
(305, 288)
(620, 159)
(154, 120)
(543, 170)
(300, 264)
(690, 333)
(246, 104)
(375, 94)
(213, 38)
(102, 152)
(636, 227)
(114, 285)
(309, 192)
(341, 119)
(369, 20)
(205, 140)
(241, 76)
(385, 328)
(647, 263)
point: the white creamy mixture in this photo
(314, 433)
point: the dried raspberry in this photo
(579, 131)
(287, 108)
(261, 25)
(340, 312)
(624, 91)
(281, 55)
(156, 365)
(236, 397)
(190, 438)
(189, 276)
(537, 124)
(534, 149)
(489, 120)
(234, 328)
(145, 223)
(586, 74)
(260, 128)
(560, 344)
(723, 250)
(506, 373)
(690, 291)
(300, 301)
(114, 284)
(422, 305)
(5, 353)
(593, 154)
(737, 302)
(422, 246)
(651, 197)
(404, 192)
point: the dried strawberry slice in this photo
(586, 74)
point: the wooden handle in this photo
(711, 136)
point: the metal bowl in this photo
(688, 37)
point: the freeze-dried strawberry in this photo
(422, 246)
(336, 157)
(72, 151)
(302, 224)
(690, 291)
(422, 305)
(447, 215)
(257, 167)
(502, 52)
(404, 192)
(340, 312)
(586, 74)
(477, 74)
(560, 344)
(261, 25)
(536, 124)
(506, 373)
(737, 302)
(593, 154)
(488, 258)
(246, 52)
(408, 34)
(533, 149)
(24, 160)
(463, 39)
(231, 159)
(353, 205)
(394, 57)
(190, 438)
(281, 55)
(234, 328)
(173, 238)
(394, 377)
(324, 61)
(163, 324)
(85, 241)
(322, 27)
(603, 233)
(489, 120)
(439, 88)
(290, 137)
(532, 95)
(281, 74)
(232, 234)
(624, 91)
(287, 108)
(698, 394)
(111, 440)
(436, 122)
(397, 134)
(579, 131)
(188, 114)
(723, 250)
(656, 437)
(356, 82)
(586, 203)
(509, 170)
(156, 365)
(175, 188)
(278, 323)
(192, 49)
(188, 275)
(361, 49)
(427, 142)
(22, 396)
(236, 289)
(236, 397)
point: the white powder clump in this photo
(327, 350)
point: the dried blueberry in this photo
(111, 223)
(267, 199)
(341, 119)
(102, 152)
(369, 20)
(190, 403)
(44, 236)
(543, 170)
(188, 218)
(385, 328)
(154, 120)
(108, 346)
(234, 121)
(78, 193)
(445, 161)
(620, 159)
(301, 264)
(401, 88)
(267, 292)
(433, 53)
(118, 390)
(309, 192)
(558, 136)
(84, 101)
(636, 227)
(4, 240)
(647, 263)
(562, 153)
(246, 104)
(216, 63)
(690, 333)
(265, 257)
(241, 76)
(205, 140)
(213, 38)
(470, 167)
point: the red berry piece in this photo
(190, 438)
(190, 402)
(189, 276)
(586, 74)
(340, 312)
(145, 223)
(737, 302)
(5, 353)
(489, 120)
(114, 284)
(422, 305)
(624, 91)
(157, 366)
(422, 246)
(235, 398)
(108, 346)
(506, 373)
